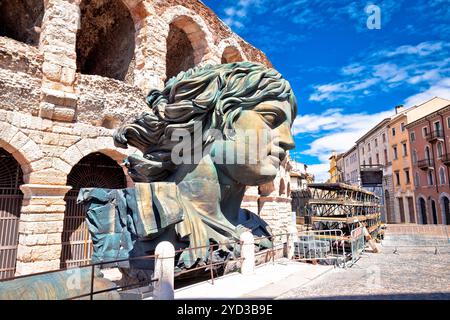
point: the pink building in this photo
(430, 149)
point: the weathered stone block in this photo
(23, 268)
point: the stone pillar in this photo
(250, 200)
(164, 271)
(247, 253)
(293, 237)
(150, 51)
(40, 228)
(58, 45)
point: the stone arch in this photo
(24, 150)
(187, 40)
(105, 43)
(444, 202)
(87, 146)
(231, 51)
(11, 179)
(231, 54)
(21, 20)
(282, 188)
(94, 170)
(267, 188)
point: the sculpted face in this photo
(262, 137)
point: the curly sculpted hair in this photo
(213, 95)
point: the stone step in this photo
(137, 293)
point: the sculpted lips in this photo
(277, 154)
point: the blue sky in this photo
(346, 77)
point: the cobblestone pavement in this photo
(410, 274)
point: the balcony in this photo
(446, 159)
(371, 167)
(425, 164)
(433, 136)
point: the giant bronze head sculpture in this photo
(211, 132)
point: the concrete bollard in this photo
(293, 237)
(164, 271)
(248, 253)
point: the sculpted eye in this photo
(271, 118)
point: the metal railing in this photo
(328, 246)
(445, 158)
(211, 265)
(425, 163)
(433, 135)
(93, 268)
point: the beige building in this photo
(375, 164)
(336, 168)
(400, 154)
(351, 167)
(71, 72)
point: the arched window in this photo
(21, 20)
(414, 156)
(423, 210)
(186, 46)
(441, 175)
(106, 40)
(446, 210)
(10, 205)
(427, 153)
(440, 149)
(282, 190)
(434, 212)
(231, 54)
(417, 179)
(94, 170)
(430, 177)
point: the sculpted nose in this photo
(286, 140)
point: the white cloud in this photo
(421, 49)
(352, 69)
(320, 171)
(237, 15)
(426, 63)
(440, 89)
(390, 72)
(336, 132)
(341, 90)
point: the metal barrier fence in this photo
(328, 246)
(358, 244)
(404, 236)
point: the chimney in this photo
(399, 108)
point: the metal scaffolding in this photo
(341, 206)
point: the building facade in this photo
(351, 167)
(403, 187)
(336, 168)
(375, 165)
(430, 148)
(70, 73)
